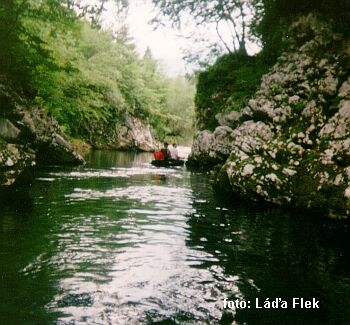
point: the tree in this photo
(23, 25)
(180, 106)
(93, 10)
(233, 14)
(22, 47)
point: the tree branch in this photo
(222, 40)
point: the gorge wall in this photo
(291, 144)
(125, 133)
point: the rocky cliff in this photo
(28, 137)
(291, 144)
(127, 133)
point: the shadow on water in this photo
(22, 236)
(275, 253)
(16, 201)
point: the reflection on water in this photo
(121, 242)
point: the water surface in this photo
(121, 242)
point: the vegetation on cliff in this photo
(274, 17)
(90, 80)
(226, 86)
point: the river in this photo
(118, 241)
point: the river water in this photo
(121, 242)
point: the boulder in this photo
(14, 159)
(203, 152)
(45, 137)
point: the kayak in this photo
(167, 163)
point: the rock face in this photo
(291, 144)
(125, 133)
(28, 136)
(135, 134)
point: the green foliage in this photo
(226, 86)
(22, 47)
(106, 81)
(86, 78)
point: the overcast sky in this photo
(166, 44)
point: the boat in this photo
(168, 163)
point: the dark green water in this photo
(121, 242)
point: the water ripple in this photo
(128, 262)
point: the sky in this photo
(167, 45)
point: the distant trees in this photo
(180, 93)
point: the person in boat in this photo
(173, 152)
(158, 155)
(166, 152)
(163, 154)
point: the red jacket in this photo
(158, 155)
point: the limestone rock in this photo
(202, 153)
(128, 133)
(136, 134)
(14, 159)
(292, 146)
(7, 130)
(230, 119)
(28, 136)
